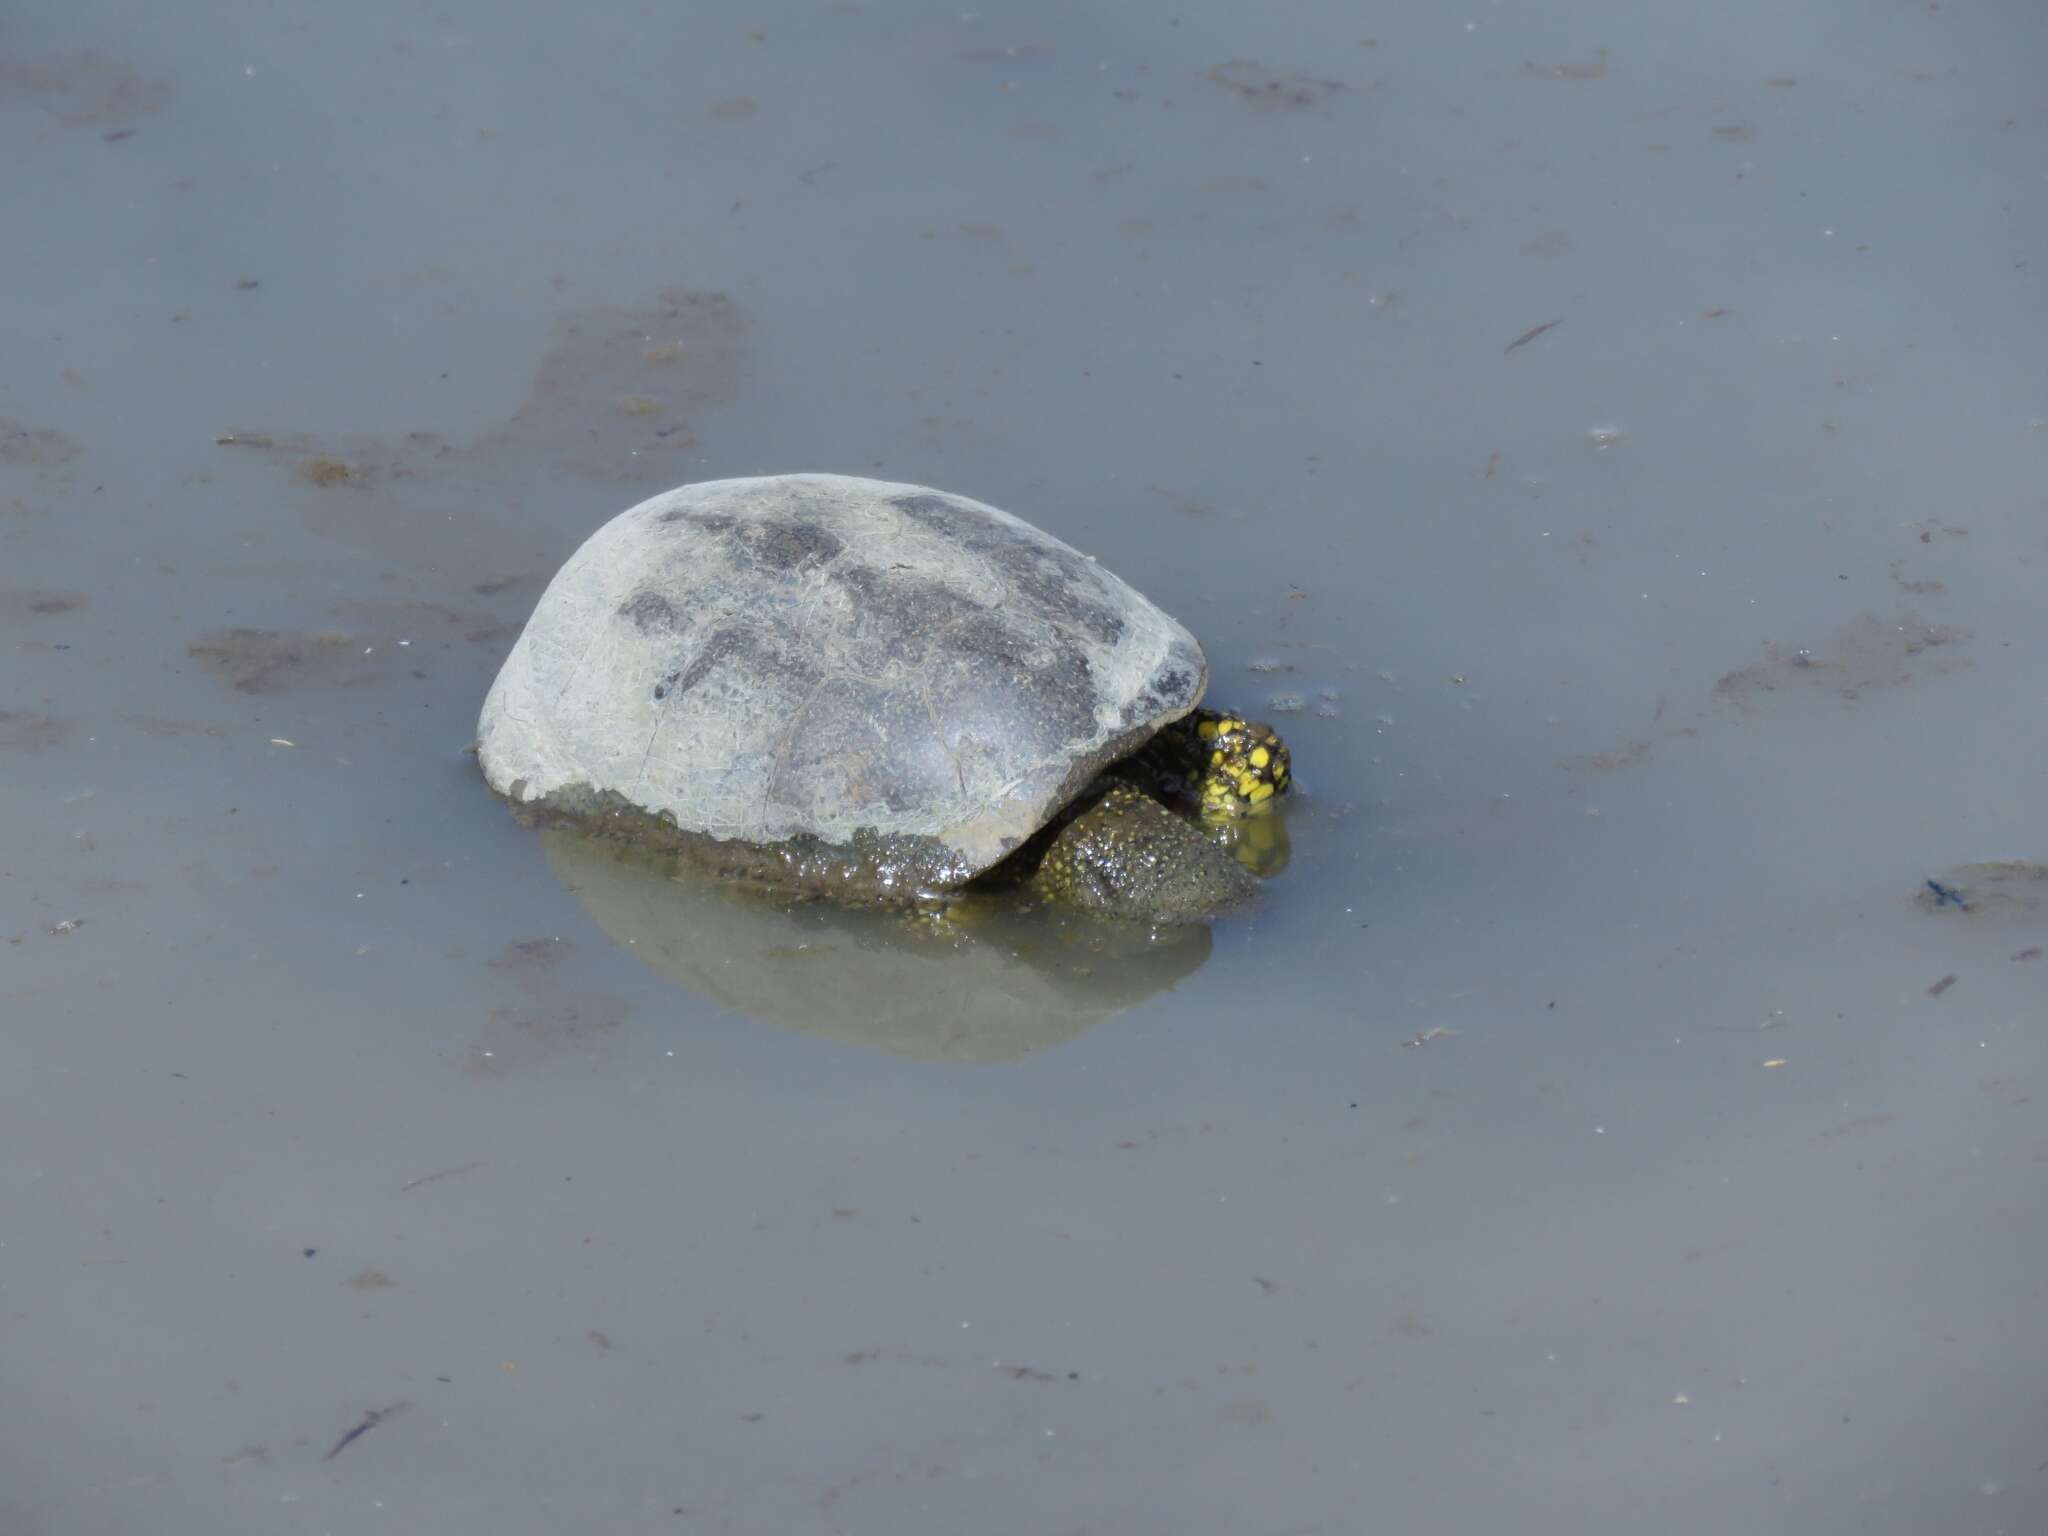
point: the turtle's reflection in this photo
(990, 980)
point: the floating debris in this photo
(1594, 68)
(1267, 90)
(1522, 341)
(2009, 887)
(443, 1173)
(323, 470)
(370, 1421)
(1434, 1032)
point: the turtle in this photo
(878, 692)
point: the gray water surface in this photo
(1608, 440)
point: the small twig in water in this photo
(1947, 895)
(371, 1420)
(1434, 1032)
(445, 1173)
(1528, 336)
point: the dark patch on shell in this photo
(789, 546)
(1051, 575)
(651, 612)
(1163, 692)
(773, 544)
(720, 645)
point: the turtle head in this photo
(1244, 765)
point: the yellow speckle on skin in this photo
(1216, 756)
(1207, 730)
(1261, 757)
(1245, 781)
(1260, 792)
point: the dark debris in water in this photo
(31, 447)
(1268, 90)
(1867, 654)
(615, 397)
(369, 1422)
(2008, 887)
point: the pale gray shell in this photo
(878, 685)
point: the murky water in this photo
(1612, 448)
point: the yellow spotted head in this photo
(1243, 764)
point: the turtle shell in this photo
(844, 684)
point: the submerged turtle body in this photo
(845, 686)
(1128, 855)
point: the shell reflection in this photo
(986, 980)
